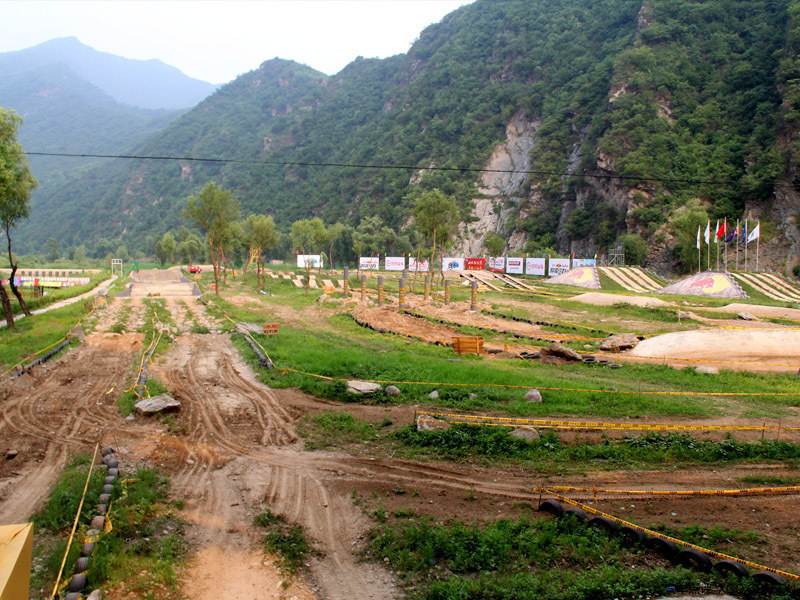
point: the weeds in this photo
(285, 539)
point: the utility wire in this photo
(393, 167)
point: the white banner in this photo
(413, 265)
(395, 263)
(514, 265)
(369, 263)
(451, 264)
(534, 266)
(311, 260)
(497, 263)
(558, 266)
(583, 262)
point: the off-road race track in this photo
(234, 450)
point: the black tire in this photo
(81, 565)
(108, 488)
(576, 512)
(604, 524)
(631, 536)
(108, 451)
(553, 507)
(98, 522)
(87, 549)
(112, 463)
(694, 559)
(72, 596)
(666, 548)
(78, 582)
(111, 472)
(615, 366)
(768, 579)
(731, 567)
(104, 498)
(109, 480)
(101, 509)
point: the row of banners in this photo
(497, 264)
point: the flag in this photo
(743, 239)
(734, 234)
(707, 233)
(720, 231)
(754, 235)
(698, 237)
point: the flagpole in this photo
(757, 240)
(745, 246)
(737, 244)
(724, 233)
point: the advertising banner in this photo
(369, 263)
(583, 262)
(497, 263)
(311, 260)
(452, 263)
(421, 266)
(395, 263)
(558, 266)
(475, 264)
(514, 265)
(534, 266)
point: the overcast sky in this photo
(216, 41)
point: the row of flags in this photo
(721, 230)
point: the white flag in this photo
(755, 233)
(716, 231)
(707, 232)
(698, 237)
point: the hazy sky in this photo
(216, 41)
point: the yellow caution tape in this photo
(741, 492)
(657, 534)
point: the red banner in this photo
(475, 264)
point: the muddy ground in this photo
(234, 450)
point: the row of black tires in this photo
(493, 313)
(80, 578)
(687, 557)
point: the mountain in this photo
(147, 84)
(623, 120)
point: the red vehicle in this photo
(195, 269)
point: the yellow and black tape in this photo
(768, 491)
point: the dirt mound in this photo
(601, 299)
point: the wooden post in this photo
(380, 290)
(447, 293)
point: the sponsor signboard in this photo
(369, 263)
(557, 266)
(534, 266)
(395, 263)
(497, 263)
(514, 265)
(583, 262)
(310, 260)
(421, 266)
(452, 263)
(475, 264)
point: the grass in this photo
(128, 399)
(57, 294)
(769, 480)
(284, 539)
(530, 559)
(332, 429)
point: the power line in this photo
(725, 183)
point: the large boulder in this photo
(746, 316)
(617, 342)
(707, 370)
(560, 351)
(529, 434)
(428, 423)
(392, 390)
(162, 403)
(533, 395)
(362, 387)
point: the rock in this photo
(11, 454)
(559, 350)
(619, 341)
(533, 395)
(428, 423)
(392, 390)
(434, 395)
(362, 387)
(158, 404)
(95, 595)
(746, 316)
(493, 350)
(707, 370)
(529, 434)
(322, 298)
(76, 332)
(588, 346)
(130, 419)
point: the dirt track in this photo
(233, 451)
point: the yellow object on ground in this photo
(16, 545)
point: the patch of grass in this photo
(62, 503)
(769, 480)
(331, 428)
(127, 400)
(201, 329)
(285, 539)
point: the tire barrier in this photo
(367, 325)
(263, 361)
(41, 359)
(676, 551)
(573, 326)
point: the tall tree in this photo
(16, 183)
(213, 209)
(259, 233)
(165, 248)
(436, 216)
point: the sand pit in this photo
(601, 299)
(775, 312)
(737, 349)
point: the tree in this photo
(334, 232)
(436, 216)
(213, 209)
(79, 255)
(122, 253)
(493, 243)
(51, 249)
(16, 183)
(165, 249)
(306, 235)
(189, 248)
(259, 233)
(635, 248)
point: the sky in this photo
(217, 41)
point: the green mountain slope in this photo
(644, 118)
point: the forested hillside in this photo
(644, 120)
